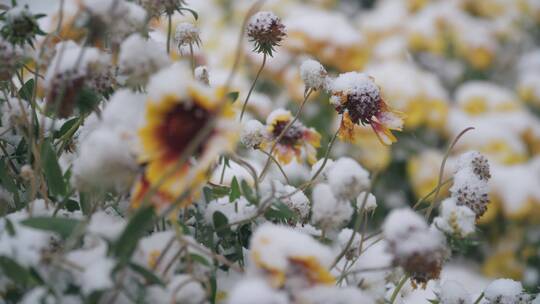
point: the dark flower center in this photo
(291, 137)
(361, 107)
(182, 125)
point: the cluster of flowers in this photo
(132, 171)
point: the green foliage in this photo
(64, 227)
(136, 228)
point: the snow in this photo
(139, 58)
(371, 201)
(504, 291)
(328, 212)
(262, 21)
(400, 222)
(323, 176)
(454, 219)
(347, 178)
(254, 290)
(313, 74)
(237, 210)
(334, 295)
(354, 82)
(186, 33)
(106, 226)
(253, 133)
(298, 202)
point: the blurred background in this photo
(448, 64)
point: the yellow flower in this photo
(296, 140)
(282, 254)
(172, 124)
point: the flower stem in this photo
(398, 288)
(192, 58)
(252, 87)
(289, 125)
(169, 31)
(479, 298)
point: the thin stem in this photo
(284, 131)
(252, 87)
(423, 199)
(479, 298)
(398, 288)
(192, 58)
(169, 31)
(270, 157)
(441, 171)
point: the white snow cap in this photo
(400, 222)
(347, 178)
(505, 291)
(371, 201)
(334, 295)
(453, 293)
(329, 212)
(313, 74)
(297, 202)
(261, 21)
(253, 133)
(139, 58)
(354, 82)
(323, 176)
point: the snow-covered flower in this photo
(10, 56)
(323, 175)
(419, 250)
(334, 295)
(313, 74)
(139, 58)
(19, 25)
(253, 134)
(176, 113)
(187, 34)
(347, 178)
(266, 31)
(297, 202)
(182, 288)
(329, 212)
(287, 257)
(506, 291)
(296, 140)
(202, 75)
(454, 219)
(371, 201)
(357, 97)
(155, 8)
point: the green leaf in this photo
(9, 226)
(13, 270)
(67, 126)
(235, 190)
(220, 224)
(62, 226)
(51, 169)
(248, 192)
(27, 90)
(233, 96)
(148, 275)
(135, 229)
(8, 182)
(280, 212)
(199, 259)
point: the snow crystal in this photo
(347, 178)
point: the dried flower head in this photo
(266, 31)
(358, 99)
(20, 25)
(154, 8)
(187, 34)
(253, 134)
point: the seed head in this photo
(473, 198)
(480, 166)
(266, 31)
(313, 74)
(187, 34)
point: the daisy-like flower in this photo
(289, 258)
(357, 97)
(298, 138)
(177, 112)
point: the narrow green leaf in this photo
(235, 190)
(135, 229)
(67, 126)
(62, 226)
(13, 270)
(280, 211)
(194, 13)
(149, 276)
(52, 171)
(220, 224)
(87, 100)
(248, 192)
(27, 90)
(199, 259)
(9, 227)
(8, 182)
